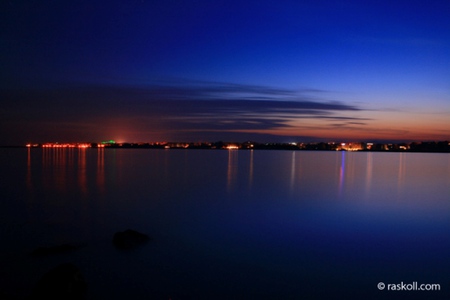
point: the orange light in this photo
(232, 147)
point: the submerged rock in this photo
(63, 282)
(46, 251)
(129, 239)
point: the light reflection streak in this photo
(293, 167)
(401, 173)
(71, 157)
(82, 177)
(342, 173)
(448, 171)
(61, 168)
(101, 170)
(112, 167)
(369, 167)
(82, 170)
(29, 181)
(54, 167)
(350, 166)
(250, 177)
(45, 163)
(231, 169)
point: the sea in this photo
(229, 224)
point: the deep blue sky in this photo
(224, 70)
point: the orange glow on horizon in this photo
(232, 147)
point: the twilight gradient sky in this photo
(138, 70)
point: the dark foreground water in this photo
(229, 224)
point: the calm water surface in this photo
(229, 224)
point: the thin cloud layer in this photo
(197, 108)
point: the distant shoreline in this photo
(425, 147)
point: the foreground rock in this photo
(63, 282)
(129, 239)
(53, 250)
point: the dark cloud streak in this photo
(197, 108)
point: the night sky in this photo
(266, 71)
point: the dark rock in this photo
(63, 282)
(129, 239)
(46, 251)
(6, 296)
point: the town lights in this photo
(232, 147)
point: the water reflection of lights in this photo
(101, 169)
(369, 171)
(28, 180)
(232, 169)
(342, 173)
(250, 177)
(293, 167)
(82, 172)
(401, 172)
